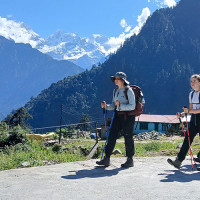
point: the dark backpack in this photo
(139, 99)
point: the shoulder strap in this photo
(126, 91)
(199, 97)
(192, 95)
(115, 91)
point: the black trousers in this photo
(193, 130)
(121, 123)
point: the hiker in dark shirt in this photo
(194, 128)
(123, 120)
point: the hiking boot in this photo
(197, 159)
(105, 162)
(176, 163)
(128, 163)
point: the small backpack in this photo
(139, 99)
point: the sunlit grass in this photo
(37, 154)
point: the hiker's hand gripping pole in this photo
(185, 110)
(103, 105)
(117, 103)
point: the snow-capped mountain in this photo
(69, 46)
(61, 46)
(19, 32)
(83, 51)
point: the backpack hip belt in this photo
(126, 113)
(131, 112)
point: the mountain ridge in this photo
(25, 72)
(160, 59)
(60, 45)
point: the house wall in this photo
(151, 127)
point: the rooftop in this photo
(158, 118)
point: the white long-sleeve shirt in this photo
(194, 100)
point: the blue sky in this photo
(84, 17)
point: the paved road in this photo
(151, 178)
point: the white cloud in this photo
(143, 17)
(18, 32)
(168, 3)
(124, 25)
(128, 28)
(115, 42)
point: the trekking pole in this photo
(182, 126)
(188, 139)
(104, 117)
(107, 132)
(191, 155)
(60, 135)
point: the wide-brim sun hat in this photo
(122, 75)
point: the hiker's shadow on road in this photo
(185, 174)
(96, 172)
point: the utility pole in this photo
(19, 117)
(96, 132)
(60, 135)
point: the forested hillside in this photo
(160, 59)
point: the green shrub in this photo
(22, 147)
(55, 137)
(13, 137)
(57, 148)
(3, 139)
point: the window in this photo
(164, 127)
(143, 126)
